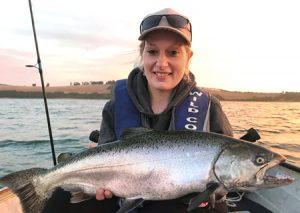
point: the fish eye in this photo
(260, 160)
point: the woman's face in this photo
(166, 60)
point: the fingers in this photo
(91, 145)
(108, 194)
(102, 194)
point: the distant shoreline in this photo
(104, 91)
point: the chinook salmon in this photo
(153, 165)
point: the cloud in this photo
(85, 40)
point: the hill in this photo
(80, 91)
(104, 91)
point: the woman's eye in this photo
(152, 52)
(173, 53)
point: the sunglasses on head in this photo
(176, 21)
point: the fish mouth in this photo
(280, 178)
(270, 176)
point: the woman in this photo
(162, 93)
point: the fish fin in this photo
(130, 204)
(131, 132)
(64, 156)
(79, 196)
(206, 196)
(21, 183)
(212, 200)
(251, 135)
(187, 198)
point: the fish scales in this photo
(130, 163)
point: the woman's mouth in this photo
(162, 74)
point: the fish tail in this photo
(25, 186)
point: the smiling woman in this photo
(162, 94)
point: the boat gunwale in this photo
(291, 166)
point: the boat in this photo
(277, 200)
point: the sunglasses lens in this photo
(177, 21)
(150, 22)
(173, 20)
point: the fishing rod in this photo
(38, 66)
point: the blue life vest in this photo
(191, 114)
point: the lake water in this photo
(24, 140)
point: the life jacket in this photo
(191, 114)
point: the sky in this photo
(239, 45)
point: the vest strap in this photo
(126, 114)
(191, 113)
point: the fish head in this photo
(245, 166)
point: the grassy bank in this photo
(105, 92)
(18, 94)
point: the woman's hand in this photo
(91, 145)
(102, 194)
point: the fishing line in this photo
(38, 65)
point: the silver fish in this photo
(152, 165)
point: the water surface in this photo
(24, 140)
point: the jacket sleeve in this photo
(107, 128)
(219, 122)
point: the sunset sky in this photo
(245, 45)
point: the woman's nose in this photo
(162, 61)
